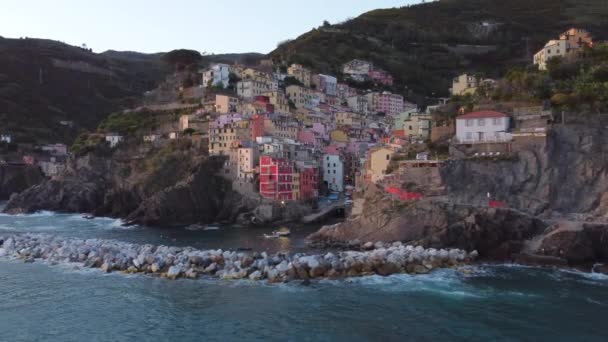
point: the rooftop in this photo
(482, 114)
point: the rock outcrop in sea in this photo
(176, 262)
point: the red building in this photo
(257, 126)
(309, 183)
(276, 178)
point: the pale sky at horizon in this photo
(155, 26)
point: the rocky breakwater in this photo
(174, 262)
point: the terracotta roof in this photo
(482, 114)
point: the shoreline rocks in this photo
(177, 262)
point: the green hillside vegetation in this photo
(426, 45)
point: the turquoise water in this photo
(39, 302)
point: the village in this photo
(290, 134)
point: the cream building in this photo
(300, 73)
(377, 163)
(570, 44)
(225, 104)
(278, 100)
(300, 96)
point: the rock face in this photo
(95, 184)
(111, 256)
(567, 175)
(549, 187)
(16, 178)
(495, 233)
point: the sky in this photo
(212, 26)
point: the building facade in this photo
(276, 178)
(217, 75)
(482, 127)
(333, 172)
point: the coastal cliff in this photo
(170, 187)
(567, 175)
(555, 196)
(16, 178)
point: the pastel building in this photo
(482, 127)
(225, 104)
(333, 172)
(386, 102)
(377, 163)
(300, 73)
(247, 162)
(217, 75)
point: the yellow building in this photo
(464, 84)
(295, 186)
(279, 100)
(418, 125)
(300, 73)
(225, 104)
(377, 163)
(300, 96)
(348, 119)
(339, 136)
(222, 140)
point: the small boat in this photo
(272, 236)
(88, 217)
(210, 227)
(283, 231)
(195, 227)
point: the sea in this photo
(42, 302)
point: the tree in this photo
(326, 24)
(291, 81)
(180, 59)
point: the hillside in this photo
(425, 45)
(43, 82)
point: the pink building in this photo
(307, 137)
(381, 77)
(388, 103)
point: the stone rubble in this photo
(176, 262)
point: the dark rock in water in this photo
(306, 282)
(603, 268)
(539, 260)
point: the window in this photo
(481, 122)
(469, 136)
(497, 121)
(469, 123)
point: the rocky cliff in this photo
(556, 196)
(166, 189)
(568, 174)
(16, 178)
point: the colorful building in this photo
(276, 178)
(333, 172)
(309, 183)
